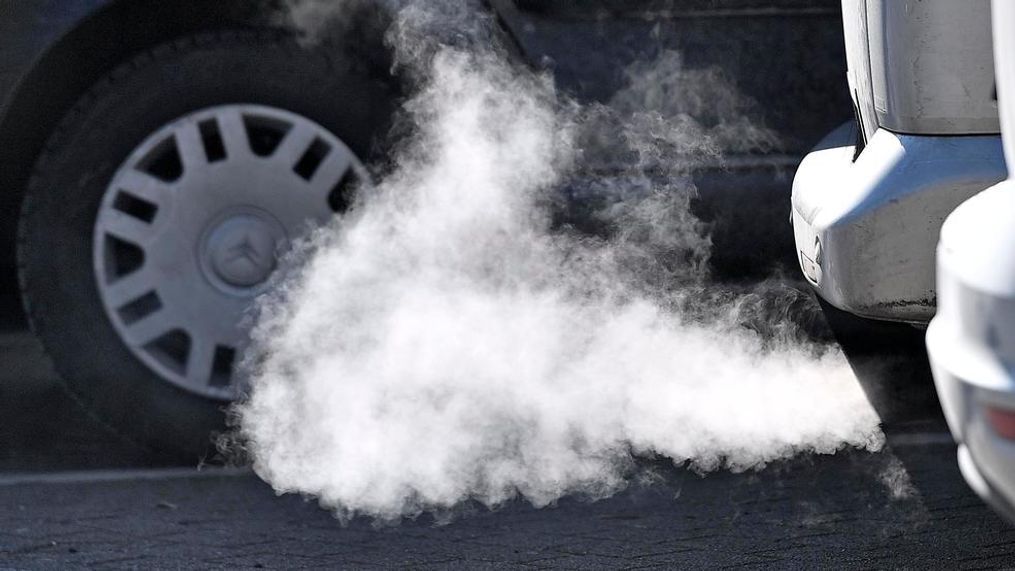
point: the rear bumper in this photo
(865, 231)
(986, 460)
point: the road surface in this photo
(73, 495)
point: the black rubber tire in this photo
(890, 362)
(94, 138)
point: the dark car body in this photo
(784, 58)
(118, 116)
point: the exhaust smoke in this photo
(456, 338)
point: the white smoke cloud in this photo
(447, 341)
(896, 479)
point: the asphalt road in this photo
(74, 495)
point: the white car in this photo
(971, 341)
(869, 200)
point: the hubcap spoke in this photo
(144, 185)
(149, 329)
(190, 147)
(234, 133)
(200, 361)
(127, 228)
(335, 166)
(296, 142)
(130, 287)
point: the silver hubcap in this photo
(191, 225)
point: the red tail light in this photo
(1003, 421)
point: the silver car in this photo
(869, 200)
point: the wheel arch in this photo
(109, 34)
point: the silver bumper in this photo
(865, 231)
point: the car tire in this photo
(72, 175)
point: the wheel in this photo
(890, 362)
(159, 206)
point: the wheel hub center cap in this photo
(240, 249)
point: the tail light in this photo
(1002, 421)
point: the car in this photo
(869, 200)
(157, 154)
(971, 340)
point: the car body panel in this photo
(589, 46)
(51, 51)
(931, 66)
(920, 67)
(591, 49)
(858, 65)
(28, 29)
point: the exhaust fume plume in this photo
(454, 338)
